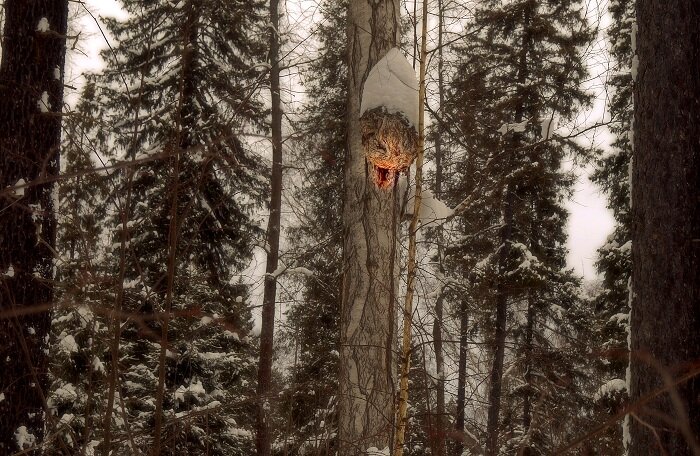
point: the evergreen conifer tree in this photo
(79, 327)
(314, 321)
(522, 70)
(179, 93)
(614, 258)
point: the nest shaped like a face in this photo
(390, 143)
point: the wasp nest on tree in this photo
(390, 143)
(389, 117)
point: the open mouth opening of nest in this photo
(385, 171)
(384, 177)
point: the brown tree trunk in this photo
(406, 338)
(665, 320)
(438, 437)
(31, 101)
(263, 438)
(461, 377)
(492, 425)
(370, 217)
(527, 400)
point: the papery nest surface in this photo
(390, 143)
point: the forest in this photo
(344, 227)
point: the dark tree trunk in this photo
(438, 437)
(31, 101)
(496, 377)
(527, 400)
(186, 124)
(263, 437)
(462, 377)
(665, 321)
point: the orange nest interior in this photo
(390, 143)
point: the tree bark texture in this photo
(502, 299)
(438, 434)
(496, 376)
(31, 101)
(263, 438)
(527, 378)
(370, 217)
(665, 321)
(462, 377)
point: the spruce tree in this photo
(79, 327)
(314, 321)
(179, 93)
(612, 174)
(523, 69)
(420, 428)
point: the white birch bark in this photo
(371, 220)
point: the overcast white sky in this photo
(590, 222)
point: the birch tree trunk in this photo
(370, 217)
(406, 348)
(31, 101)
(665, 320)
(438, 445)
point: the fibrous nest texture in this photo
(390, 143)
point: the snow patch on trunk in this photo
(44, 104)
(43, 25)
(10, 272)
(626, 436)
(18, 188)
(392, 84)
